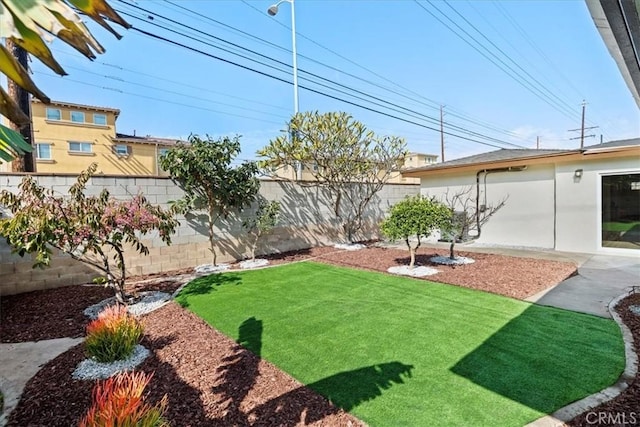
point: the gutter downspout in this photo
(487, 172)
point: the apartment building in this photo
(411, 160)
(69, 137)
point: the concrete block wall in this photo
(306, 221)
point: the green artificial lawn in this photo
(620, 226)
(396, 351)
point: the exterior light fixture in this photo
(577, 174)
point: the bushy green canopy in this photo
(416, 216)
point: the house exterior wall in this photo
(305, 222)
(547, 205)
(579, 215)
(527, 217)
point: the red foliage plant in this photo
(113, 335)
(118, 402)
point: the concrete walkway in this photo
(600, 279)
(21, 361)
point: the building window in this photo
(99, 119)
(80, 147)
(54, 114)
(43, 151)
(77, 116)
(621, 211)
(121, 150)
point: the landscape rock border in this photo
(445, 260)
(91, 369)
(149, 302)
(405, 270)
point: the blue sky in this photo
(396, 51)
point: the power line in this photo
(423, 117)
(493, 58)
(431, 103)
(161, 38)
(66, 78)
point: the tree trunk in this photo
(453, 242)
(413, 257)
(24, 163)
(212, 246)
(254, 245)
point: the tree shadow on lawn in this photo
(546, 358)
(302, 405)
(206, 284)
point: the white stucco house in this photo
(584, 200)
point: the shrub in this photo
(118, 402)
(113, 335)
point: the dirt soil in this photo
(209, 379)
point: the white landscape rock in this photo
(635, 309)
(90, 369)
(349, 246)
(258, 262)
(205, 269)
(405, 270)
(150, 301)
(445, 260)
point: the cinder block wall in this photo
(306, 221)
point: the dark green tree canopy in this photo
(203, 169)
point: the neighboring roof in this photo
(619, 25)
(512, 157)
(494, 156)
(148, 139)
(614, 144)
(80, 106)
(133, 139)
(415, 153)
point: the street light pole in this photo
(273, 10)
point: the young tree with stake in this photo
(416, 216)
(202, 168)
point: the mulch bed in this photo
(509, 276)
(212, 381)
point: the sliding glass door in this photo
(621, 211)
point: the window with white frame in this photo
(80, 147)
(77, 116)
(121, 149)
(43, 151)
(99, 119)
(53, 114)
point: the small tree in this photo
(265, 218)
(468, 216)
(342, 156)
(202, 168)
(415, 216)
(86, 228)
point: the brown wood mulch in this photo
(209, 379)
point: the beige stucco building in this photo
(69, 137)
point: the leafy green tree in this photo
(341, 155)
(203, 169)
(28, 23)
(265, 219)
(88, 228)
(416, 216)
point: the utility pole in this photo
(582, 128)
(537, 142)
(441, 134)
(22, 98)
